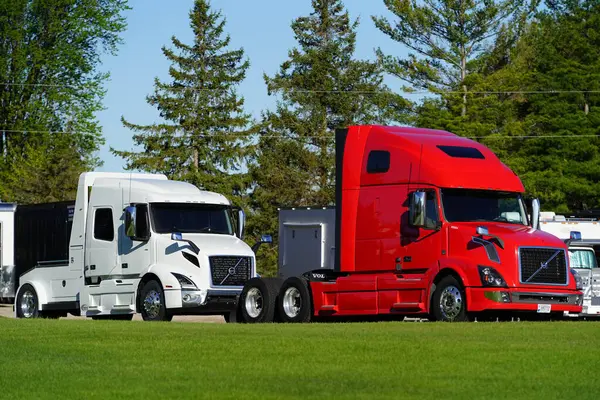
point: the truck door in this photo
(101, 246)
(422, 246)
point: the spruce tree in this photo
(202, 138)
(320, 87)
(539, 107)
(445, 38)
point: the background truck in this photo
(131, 243)
(581, 231)
(31, 233)
(7, 255)
(425, 223)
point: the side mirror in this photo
(178, 237)
(416, 211)
(241, 223)
(263, 239)
(535, 213)
(130, 221)
(136, 222)
(574, 236)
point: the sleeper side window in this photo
(378, 162)
(103, 225)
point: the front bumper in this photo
(503, 299)
(216, 303)
(591, 308)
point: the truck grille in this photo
(230, 270)
(543, 266)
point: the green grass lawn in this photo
(137, 360)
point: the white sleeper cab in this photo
(138, 243)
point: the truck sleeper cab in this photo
(584, 260)
(142, 243)
(425, 223)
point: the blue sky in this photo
(261, 27)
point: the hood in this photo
(503, 254)
(215, 244)
(180, 258)
(513, 235)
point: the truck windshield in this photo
(582, 258)
(190, 218)
(466, 205)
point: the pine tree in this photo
(320, 87)
(444, 38)
(539, 109)
(202, 138)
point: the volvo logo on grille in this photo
(232, 270)
(544, 265)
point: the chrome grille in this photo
(230, 270)
(543, 265)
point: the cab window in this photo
(431, 210)
(582, 258)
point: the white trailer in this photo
(142, 243)
(583, 237)
(7, 255)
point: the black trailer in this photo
(42, 234)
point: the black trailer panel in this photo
(42, 233)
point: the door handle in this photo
(92, 267)
(398, 264)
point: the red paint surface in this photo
(375, 231)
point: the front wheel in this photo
(153, 303)
(449, 303)
(27, 303)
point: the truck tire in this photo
(153, 303)
(294, 302)
(231, 317)
(27, 304)
(449, 303)
(257, 300)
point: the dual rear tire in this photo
(272, 299)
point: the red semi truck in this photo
(425, 223)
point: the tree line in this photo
(519, 76)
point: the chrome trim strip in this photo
(543, 248)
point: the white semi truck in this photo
(582, 234)
(140, 243)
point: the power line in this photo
(236, 134)
(404, 91)
(57, 132)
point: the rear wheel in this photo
(294, 303)
(449, 301)
(27, 303)
(153, 303)
(257, 300)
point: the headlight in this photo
(578, 279)
(490, 277)
(185, 282)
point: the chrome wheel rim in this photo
(152, 304)
(254, 302)
(292, 302)
(28, 305)
(451, 302)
